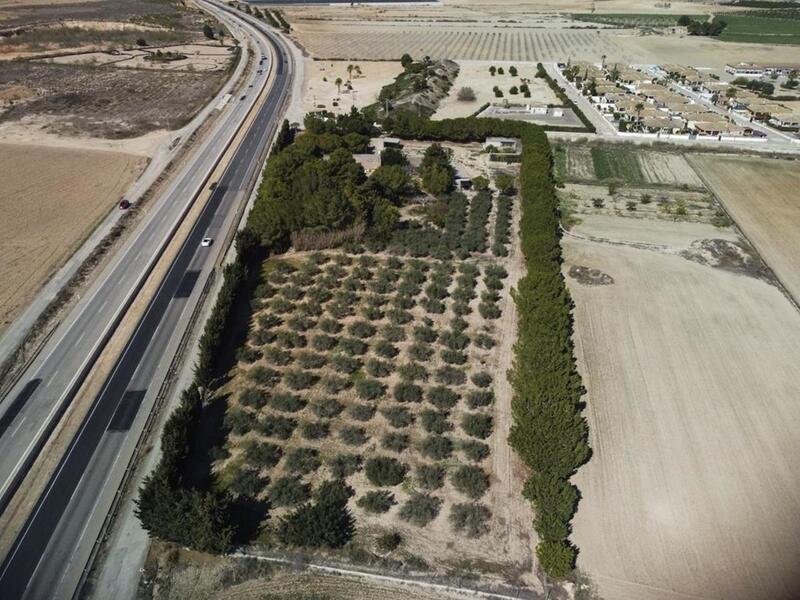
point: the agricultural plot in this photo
(761, 195)
(633, 20)
(351, 43)
(760, 29)
(625, 165)
(388, 372)
(691, 372)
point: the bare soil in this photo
(320, 89)
(108, 102)
(763, 196)
(52, 198)
(691, 374)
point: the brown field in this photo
(664, 168)
(692, 375)
(51, 200)
(763, 197)
(199, 57)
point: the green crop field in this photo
(616, 163)
(633, 20)
(761, 30)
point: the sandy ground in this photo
(475, 74)
(692, 376)
(51, 199)
(763, 196)
(319, 93)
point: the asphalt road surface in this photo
(51, 551)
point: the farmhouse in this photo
(501, 143)
(760, 70)
(789, 120)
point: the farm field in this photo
(385, 42)
(51, 200)
(476, 75)
(691, 376)
(388, 371)
(626, 165)
(762, 196)
(633, 19)
(760, 29)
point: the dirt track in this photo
(692, 375)
(51, 199)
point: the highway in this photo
(50, 553)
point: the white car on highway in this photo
(206, 242)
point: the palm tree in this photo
(638, 108)
(338, 83)
(358, 70)
(349, 72)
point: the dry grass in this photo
(692, 376)
(51, 200)
(320, 89)
(762, 196)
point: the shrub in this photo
(450, 375)
(344, 363)
(376, 501)
(413, 372)
(479, 398)
(246, 481)
(373, 313)
(474, 450)
(430, 477)
(388, 542)
(420, 351)
(442, 398)
(247, 354)
(453, 357)
(310, 360)
(339, 309)
(437, 447)
(302, 460)
(314, 430)
(461, 308)
(334, 384)
(465, 94)
(288, 491)
(344, 465)
(326, 522)
(425, 333)
(454, 340)
(276, 426)
(369, 389)
(353, 436)
(263, 375)
(385, 349)
(484, 341)
(470, 519)
(395, 441)
(393, 333)
(398, 416)
(399, 317)
(361, 329)
(362, 412)
(259, 337)
(435, 307)
(493, 283)
(331, 326)
(286, 402)
(262, 454)
(278, 357)
(420, 509)
(477, 425)
(407, 392)
(327, 408)
(290, 339)
(489, 310)
(352, 346)
(435, 421)
(299, 380)
(323, 342)
(280, 305)
(482, 379)
(253, 398)
(470, 480)
(385, 471)
(458, 325)
(496, 271)
(300, 323)
(239, 421)
(378, 368)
